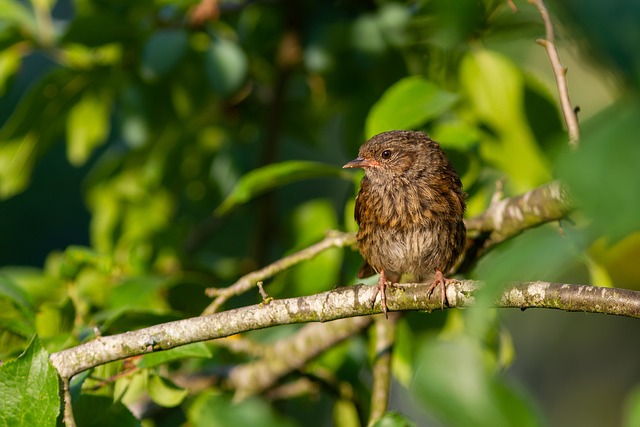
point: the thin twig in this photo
(385, 333)
(334, 239)
(560, 73)
(69, 420)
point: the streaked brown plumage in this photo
(409, 209)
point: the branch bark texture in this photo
(509, 217)
(340, 303)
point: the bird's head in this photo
(399, 155)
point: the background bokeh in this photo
(152, 149)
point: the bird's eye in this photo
(386, 154)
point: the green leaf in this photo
(456, 135)
(226, 65)
(603, 175)
(55, 320)
(17, 157)
(495, 88)
(367, 34)
(88, 126)
(164, 392)
(273, 176)
(213, 409)
(394, 419)
(408, 104)
(15, 13)
(452, 379)
(29, 389)
(402, 355)
(16, 318)
(345, 414)
(140, 294)
(632, 408)
(310, 223)
(37, 285)
(198, 349)
(10, 290)
(10, 59)
(163, 51)
(101, 411)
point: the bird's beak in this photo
(360, 162)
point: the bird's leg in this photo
(381, 288)
(439, 279)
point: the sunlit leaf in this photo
(394, 419)
(345, 414)
(632, 408)
(16, 162)
(164, 392)
(310, 222)
(88, 126)
(140, 294)
(456, 135)
(402, 355)
(495, 88)
(10, 59)
(16, 13)
(273, 176)
(16, 316)
(29, 389)
(615, 263)
(408, 104)
(8, 289)
(38, 287)
(599, 276)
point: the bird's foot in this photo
(381, 288)
(439, 279)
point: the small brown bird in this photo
(409, 209)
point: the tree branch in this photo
(509, 217)
(560, 73)
(293, 354)
(504, 219)
(385, 333)
(334, 239)
(339, 303)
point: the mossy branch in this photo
(336, 304)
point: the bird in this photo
(409, 211)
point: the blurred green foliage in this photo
(148, 151)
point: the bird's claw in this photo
(439, 279)
(381, 288)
